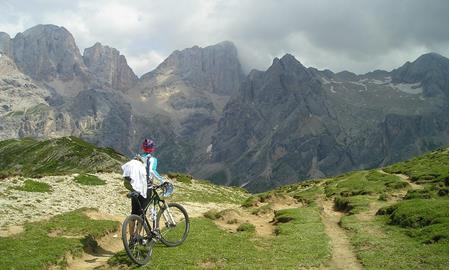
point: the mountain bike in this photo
(169, 224)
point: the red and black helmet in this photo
(148, 146)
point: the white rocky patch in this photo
(325, 81)
(332, 89)
(409, 88)
(360, 84)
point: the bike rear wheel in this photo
(173, 224)
(136, 240)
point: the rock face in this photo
(270, 128)
(190, 88)
(215, 69)
(430, 70)
(110, 66)
(291, 123)
(46, 52)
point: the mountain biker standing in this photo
(139, 174)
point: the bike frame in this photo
(156, 200)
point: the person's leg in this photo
(134, 210)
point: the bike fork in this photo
(167, 215)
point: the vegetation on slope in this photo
(33, 158)
(45, 243)
(30, 185)
(300, 242)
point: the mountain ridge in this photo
(209, 119)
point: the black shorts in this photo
(135, 207)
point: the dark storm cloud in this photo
(355, 35)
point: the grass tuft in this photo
(34, 186)
(89, 180)
(246, 227)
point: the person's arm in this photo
(153, 165)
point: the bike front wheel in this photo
(172, 222)
(136, 240)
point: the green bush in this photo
(246, 227)
(284, 216)
(342, 204)
(232, 221)
(250, 202)
(89, 180)
(34, 186)
(212, 214)
(262, 210)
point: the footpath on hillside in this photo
(342, 256)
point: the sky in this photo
(354, 35)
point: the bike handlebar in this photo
(152, 187)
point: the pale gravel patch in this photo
(18, 207)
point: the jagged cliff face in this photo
(270, 128)
(47, 89)
(109, 66)
(190, 88)
(291, 123)
(48, 54)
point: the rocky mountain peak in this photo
(109, 66)
(7, 66)
(214, 68)
(430, 69)
(5, 43)
(47, 52)
(289, 66)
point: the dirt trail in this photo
(97, 259)
(342, 256)
(407, 179)
(112, 243)
(262, 221)
(108, 245)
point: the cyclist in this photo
(139, 174)
(150, 162)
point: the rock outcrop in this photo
(190, 89)
(109, 66)
(292, 122)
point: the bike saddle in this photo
(133, 194)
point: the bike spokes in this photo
(137, 239)
(173, 224)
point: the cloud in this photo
(355, 35)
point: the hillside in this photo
(66, 155)
(394, 217)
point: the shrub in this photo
(383, 197)
(246, 227)
(232, 221)
(342, 204)
(284, 216)
(212, 214)
(250, 202)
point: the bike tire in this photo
(139, 248)
(173, 235)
